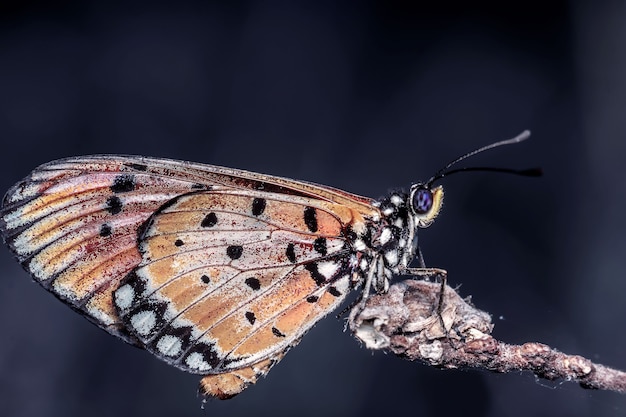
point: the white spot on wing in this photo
(196, 361)
(396, 200)
(334, 245)
(143, 322)
(124, 296)
(169, 345)
(327, 269)
(343, 284)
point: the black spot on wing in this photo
(317, 277)
(113, 205)
(250, 317)
(291, 253)
(123, 183)
(312, 299)
(105, 230)
(179, 242)
(277, 332)
(320, 246)
(253, 283)
(205, 279)
(137, 167)
(258, 206)
(234, 251)
(209, 220)
(310, 219)
(334, 292)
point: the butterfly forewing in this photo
(73, 224)
(229, 279)
(214, 270)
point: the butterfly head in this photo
(425, 203)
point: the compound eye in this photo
(422, 201)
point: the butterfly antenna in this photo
(533, 172)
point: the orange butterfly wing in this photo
(228, 283)
(74, 225)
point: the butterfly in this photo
(216, 271)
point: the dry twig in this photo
(405, 321)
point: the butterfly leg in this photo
(420, 258)
(422, 271)
(367, 285)
(226, 385)
(425, 273)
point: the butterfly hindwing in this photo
(229, 279)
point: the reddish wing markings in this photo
(202, 174)
(205, 310)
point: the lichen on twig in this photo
(407, 321)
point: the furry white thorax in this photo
(387, 246)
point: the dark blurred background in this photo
(366, 97)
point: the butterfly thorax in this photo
(387, 244)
